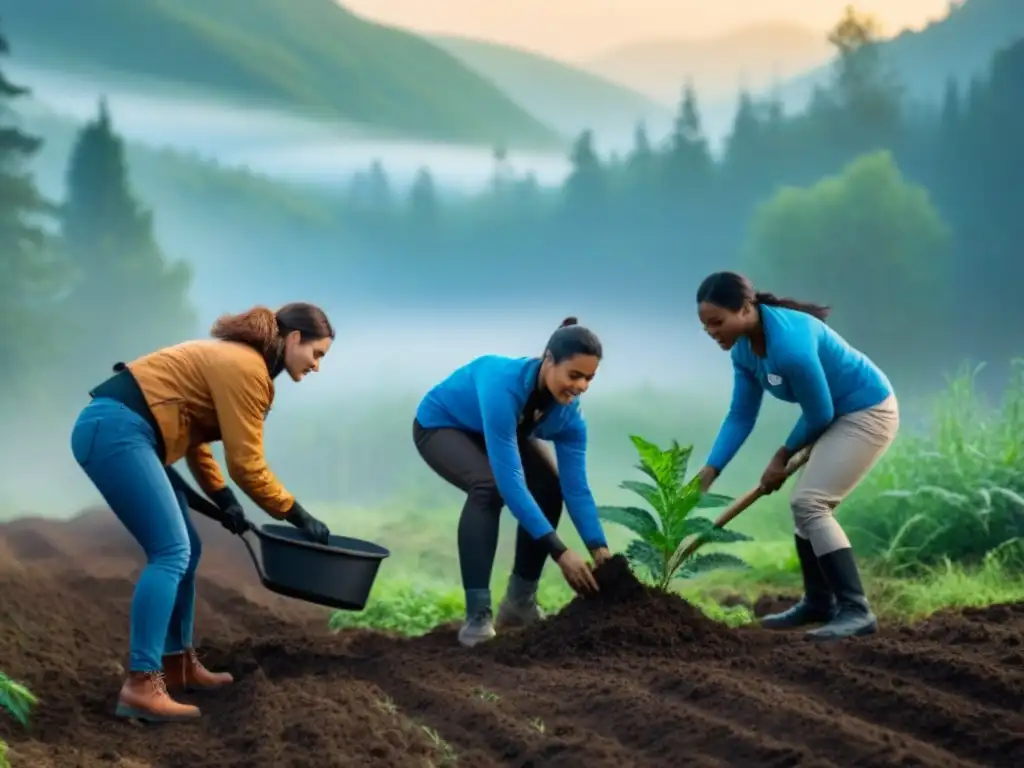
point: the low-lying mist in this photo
(342, 435)
(303, 150)
(266, 140)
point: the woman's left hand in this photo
(774, 475)
(309, 525)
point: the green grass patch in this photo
(412, 606)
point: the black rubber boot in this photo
(855, 617)
(817, 605)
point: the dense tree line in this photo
(905, 216)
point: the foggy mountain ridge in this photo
(756, 57)
(562, 96)
(311, 57)
(959, 46)
(766, 59)
(566, 96)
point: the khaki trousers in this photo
(839, 460)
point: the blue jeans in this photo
(117, 448)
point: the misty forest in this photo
(900, 213)
(891, 192)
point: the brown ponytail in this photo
(256, 327)
(569, 321)
(263, 329)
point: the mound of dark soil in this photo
(624, 617)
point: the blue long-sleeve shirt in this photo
(807, 363)
(487, 396)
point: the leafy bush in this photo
(18, 701)
(673, 498)
(953, 493)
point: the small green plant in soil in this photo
(18, 701)
(673, 498)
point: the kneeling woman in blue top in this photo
(479, 429)
(850, 414)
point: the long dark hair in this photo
(731, 290)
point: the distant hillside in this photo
(753, 56)
(960, 45)
(563, 96)
(311, 56)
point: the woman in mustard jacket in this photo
(169, 405)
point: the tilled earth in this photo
(629, 678)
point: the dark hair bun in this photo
(569, 321)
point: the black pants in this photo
(461, 459)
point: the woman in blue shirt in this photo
(479, 429)
(849, 413)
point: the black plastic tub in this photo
(338, 575)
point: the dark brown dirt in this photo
(630, 678)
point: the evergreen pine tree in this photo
(688, 165)
(424, 206)
(584, 187)
(29, 276)
(124, 288)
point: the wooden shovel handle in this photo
(756, 493)
(747, 499)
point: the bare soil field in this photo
(629, 678)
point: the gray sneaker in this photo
(477, 629)
(518, 612)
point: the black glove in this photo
(309, 525)
(232, 515)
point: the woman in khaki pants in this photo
(849, 413)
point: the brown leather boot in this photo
(144, 697)
(184, 671)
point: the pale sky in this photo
(576, 29)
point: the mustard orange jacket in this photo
(206, 390)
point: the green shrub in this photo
(954, 492)
(673, 498)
